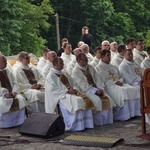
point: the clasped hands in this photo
(72, 91)
(36, 86)
(10, 95)
(119, 83)
(100, 92)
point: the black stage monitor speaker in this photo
(43, 125)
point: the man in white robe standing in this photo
(91, 85)
(42, 62)
(60, 89)
(126, 97)
(113, 49)
(118, 58)
(138, 53)
(31, 83)
(12, 104)
(97, 53)
(67, 55)
(49, 64)
(130, 43)
(146, 62)
(86, 50)
(72, 63)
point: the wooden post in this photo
(57, 31)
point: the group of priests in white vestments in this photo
(86, 90)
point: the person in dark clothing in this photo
(86, 37)
(61, 50)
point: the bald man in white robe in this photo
(60, 89)
(12, 104)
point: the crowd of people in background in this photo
(87, 89)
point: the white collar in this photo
(82, 68)
(57, 71)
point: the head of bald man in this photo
(76, 51)
(51, 55)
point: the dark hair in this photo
(121, 47)
(64, 40)
(80, 56)
(129, 40)
(128, 50)
(97, 48)
(85, 27)
(104, 52)
(65, 45)
(140, 40)
(55, 61)
(22, 54)
(46, 50)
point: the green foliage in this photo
(10, 26)
(21, 22)
(147, 40)
(30, 25)
(107, 19)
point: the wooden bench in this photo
(145, 97)
(13, 61)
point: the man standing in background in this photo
(61, 50)
(86, 37)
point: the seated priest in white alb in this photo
(91, 85)
(118, 58)
(12, 104)
(43, 59)
(31, 83)
(18, 63)
(127, 97)
(72, 63)
(67, 55)
(8, 65)
(138, 52)
(97, 53)
(75, 107)
(146, 62)
(131, 71)
(113, 49)
(49, 64)
(86, 51)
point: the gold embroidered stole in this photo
(112, 77)
(30, 76)
(89, 77)
(5, 80)
(104, 99)
(138, 71)
(15, 105)
(88, 103)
